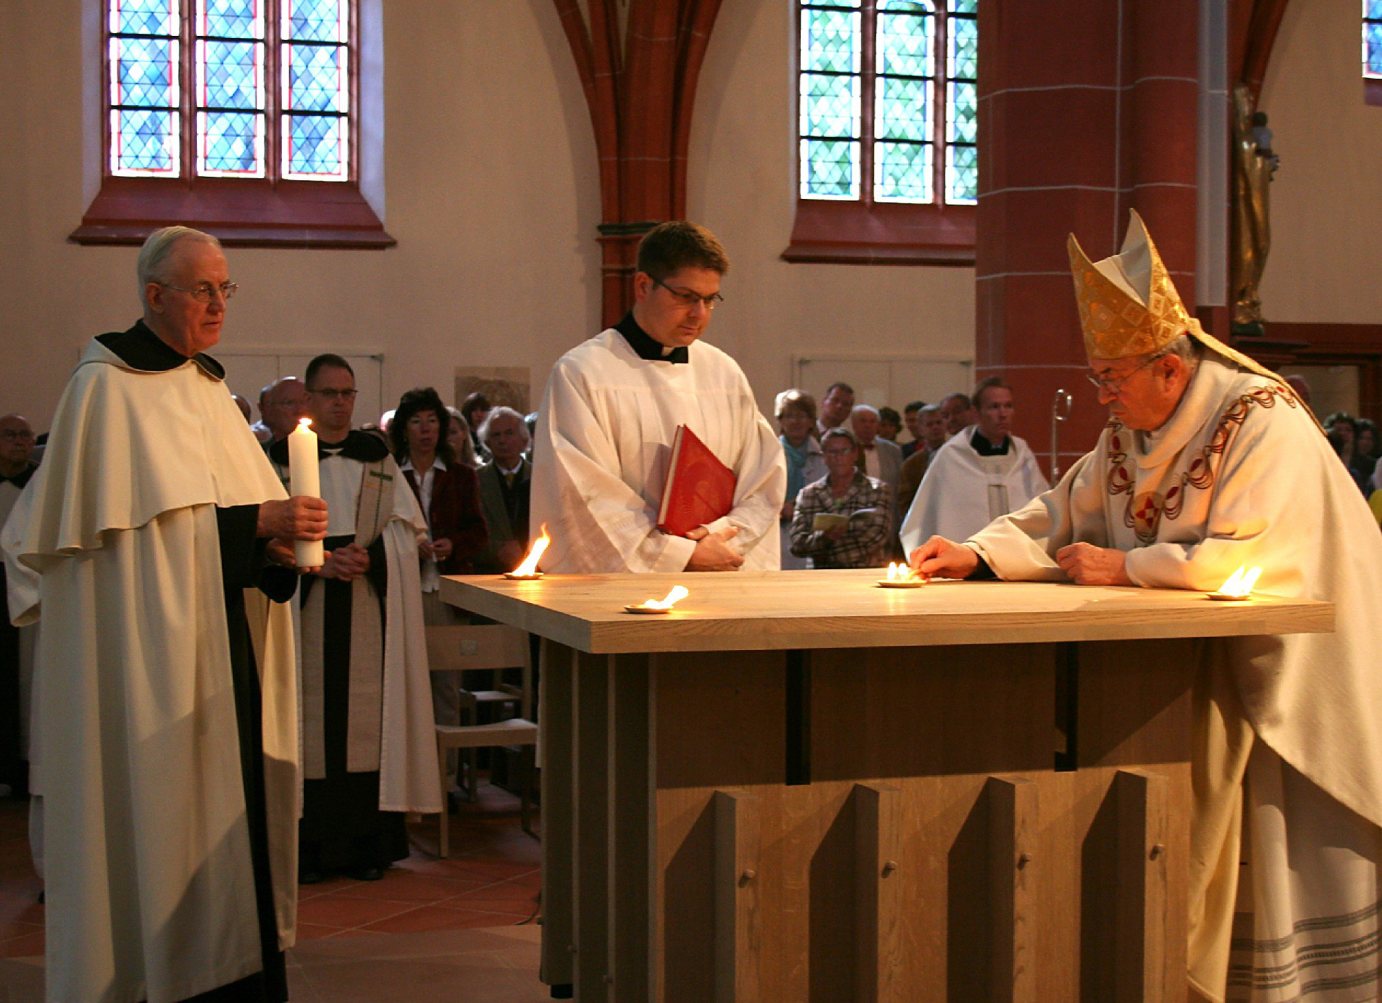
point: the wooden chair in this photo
(462, 647)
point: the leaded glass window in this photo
(1372, 38)
(264, 86)
(887, 101)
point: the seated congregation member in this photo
(842, 520)
(368, 747)
(611, 410)
(1210, 463)
(506, 488)
(796, 417)
(979, 474)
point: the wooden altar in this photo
(802, 786)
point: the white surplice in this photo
(1241, 476)
(149, 881)
(962, 491)
(603, 442)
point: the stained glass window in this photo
(265, 83)
(1372, 38)
(888, 107)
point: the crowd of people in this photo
(867, 500)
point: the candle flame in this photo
(678, 593)
(535, 552)
(1241, 582)
(304, 422)
(899, 572)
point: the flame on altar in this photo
(678, 593)
(305, 421)
(899, 572)
(1241, 582)
(528, 569)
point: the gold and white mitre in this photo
(1129, 305)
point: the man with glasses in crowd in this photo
(610, 412)
(1211, 463)
(368, 752)
(165, 688)
(281, 404)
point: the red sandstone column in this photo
(1087, 108)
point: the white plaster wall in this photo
(1326, 201)
(491, 194)
(741, 185)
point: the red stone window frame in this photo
(247, 212)
(884, 233)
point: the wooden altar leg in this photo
(738, 863)
(878, 917)
(1140, 936)
(1013, 829)
(558, 873)
(633, 824)
(592, 811)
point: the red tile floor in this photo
(472, 917)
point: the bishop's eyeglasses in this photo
(203, 292)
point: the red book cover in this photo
(699, 487)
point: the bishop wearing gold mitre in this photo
(1208, 463)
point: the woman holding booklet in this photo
(843, 519)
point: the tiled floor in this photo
(461, 928)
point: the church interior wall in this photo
(1326, 199)
(491, 191)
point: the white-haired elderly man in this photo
(1210, 463)
(166, 689)
(878, 458)
(505, 488)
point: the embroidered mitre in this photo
(1129, 305)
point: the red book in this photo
(699, 487)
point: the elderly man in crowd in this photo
(1210, 463)
(167, 704)
(979, 474)
(505, 489)
(611, 410)
(281, 404)
(930, 438)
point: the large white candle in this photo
(304, 478)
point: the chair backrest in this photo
(459, 647)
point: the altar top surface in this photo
(776, 610)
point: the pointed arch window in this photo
(887, 131)
(239, 116)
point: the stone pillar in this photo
(1087, 108)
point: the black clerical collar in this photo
(985, 448)
(139, 348)
(21, 478)
(359, 445)
(643, 344)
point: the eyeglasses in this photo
(687, 298)
(331, 395)
(203, 292)
(1114, 386)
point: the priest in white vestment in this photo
(165, 691)
(609, 414)
(1210, 462)
(982, 472)
(368, 734)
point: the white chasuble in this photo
(1241, 476)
